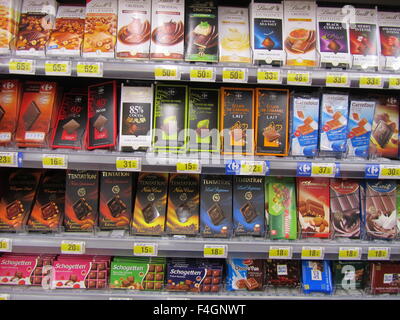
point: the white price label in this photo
(128, 164)
(55, 161)
(89, 69)
(234, 75)
(145, 249)
(5, 245)
(22, 66)
(9, 159)
(73, 247)
(215, 251)
(57, 68)
(311, 253)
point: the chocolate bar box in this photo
(316, 276)
(272, 117)
(248, 206)
(245, 274)
(282, 273)
(385, 277)
(389, 31)
(237, 120)
(150, 204)
(10, 97)
(170, 118)
(9, 21)
(81, 200)
(350, 275)
(204, 120)
(216, 206)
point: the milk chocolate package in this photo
(385, 277)
(316, 276)
(168, 30)
(345, 208)
(70, 128)
(364, 39)
(81, 201)
(216, 206)
(300, 33)
(234, 39)
(272, 117)
(170, 118)
(204, 119)
(201, 31)
(245, 274)
(136, 115)
(282, 273)
(67, 36)
(134, 29)
(9, 20)
(10, 99)
(48, 209)
(381, 212)
(266, 27)
(102, 124)
(150, 204)
(18, 198)
(350, 275)
(35, 26)
(237, 120)
(313, 207)
(389, 32)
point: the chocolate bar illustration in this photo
(334, 124)
(249, 212)
(82, 209)
(384, 203)
(345, 203)
(358, 131)
(382, 133)
(150, 213)
(362, 122)
(116, 206)
(271, 134)
(14, 210)
(311, 208)
(100, 122)
(216, 214)
(305, 129)
(2, 113)
(251, 284)
(241, 283)
(356, 116)
(346, 213)
(49, 210)
(183, 213)
(31, 114)
(71, 126)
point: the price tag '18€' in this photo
(145, 249)
(312, 253)
(73, 247)
(280, 252)
(215, 251)
(349, 253)
(375, 253)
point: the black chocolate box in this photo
(283, 273)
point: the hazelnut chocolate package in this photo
(102, 117)
(385, 277)
(9, 20)
(283, 273)
(81, 200)
(350, 275)
(389, 31)
(10, 99)
(245, 274)
(115, 207)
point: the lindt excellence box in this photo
(389, 33)
(9, 20)
(10, 99)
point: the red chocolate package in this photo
(10, 99)
(102, 124)
(385, 277)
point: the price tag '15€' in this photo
(188, 166)
(145, 249)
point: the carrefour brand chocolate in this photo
(389, 31)
(282, 273)
(10, 99)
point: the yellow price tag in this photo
(215, 251)
(73, 247)
(191, 166)
(268, 76)
(375, 253)
(337, 79)
(371, 82)
(55, 68)
(349, 253)
(166, 73)
(252, 167)
(202, 74)
(5, 245)
(234, 75)
(145, 249)
(20, 66)
(89, 69)
(394, 83)
(128, 164)
(4, 297)
(54, 161)
(312, 253)
(389, 171)
(298, 78)
(280, 252)
(6, 160)
(323, 170)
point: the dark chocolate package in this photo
(385, 277)
(216, 206)
(283, 273)
(81, 200)
(350, 275)
(245, 274)
(102, 124)
(183, 204)
(316, 276)
(115, 208)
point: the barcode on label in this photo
(5, 136)
(31, 135)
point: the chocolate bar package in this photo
(150, 204)
(204, 120)
(350, 275)
(364, 39)
(385, 128)
(70, 128)
(245, 274)
(385, 277)
(333, 127)
(9, 20)
(100, 29)
(280, 195)
(305, 122)
(248, 206)
(381, 213)
(300, 34)
(18, 198)
(282, 273)
(272, 117)
(102, 124)
(170, 118)
(35, 26)
(237, 120)
(234, 38)
(115, 207)
(333, 37)
(216, 206)
(266, 29)
(345, 208)
(67, 37)
(81, 201)
(316, 276)
(168, 30)
(134, 29)
(359, 126)
(389, 32)
(313, 207)
(10, 99)
(201, 31)
(183, 204)
(194, 275)
(48, 209)
(136, 115)
(398, 207)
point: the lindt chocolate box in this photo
(170, 118)
(345, 208)
(183, 204)
(115, 207)
(248, 206)
(389, 31)
(316, 276)
(237, 120)
(70, 128)
(245, 274)
(204, 120)
(216, 206)
(272, 117)
(150, 204)
(283, 273)
(18, 198)
(9, 21)
(350, 275)
(313, 207)
(10, 99)
(102, 124)
(385, 277)
(48, 209)
(81, 200)
(201, 31)
(194, 275)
